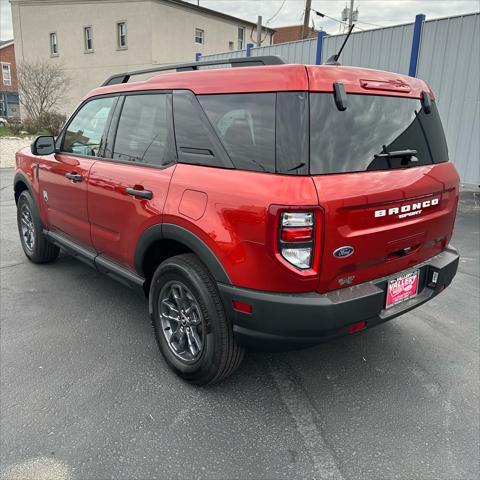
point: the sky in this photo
(373, 13)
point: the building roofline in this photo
(6, 43)
(216, 13)
(180, 3)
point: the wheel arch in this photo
(20, 184)
(169, 240)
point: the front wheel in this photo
(191, 328)
(34, 243)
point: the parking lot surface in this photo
(85, 394)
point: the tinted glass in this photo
(292, 124)
(245, 124)
(197, 142)
(348, 141)
(85, 133)
(145, 130)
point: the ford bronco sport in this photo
(273, 206)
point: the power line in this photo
(334, 19)
(276, 13)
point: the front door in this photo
(63, 177)
(127, 193)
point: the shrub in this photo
(52, 122)
(30, 126)
(16, 128)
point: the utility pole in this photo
(306, 18)
(259, 31)
(350, 16)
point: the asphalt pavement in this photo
(85, 393)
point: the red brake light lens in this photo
(297, 234)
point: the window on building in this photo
(88, 38)
(53, 44)
(230, 45)
(241, 37)
(6, 74)
(85, 133)
(199, 36)
(145, 130)
(121, 35)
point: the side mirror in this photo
(43, 145)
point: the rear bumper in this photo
(283, 321)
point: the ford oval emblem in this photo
(343, 252)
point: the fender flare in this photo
(21, 177)
(170, 231)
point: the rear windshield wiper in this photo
(410, 154)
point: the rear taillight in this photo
(296, 238)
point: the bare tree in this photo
(42, 87)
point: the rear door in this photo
(127, 191)
(382, 177)
(63, 177)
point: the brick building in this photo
(9, 104)
(291, 33)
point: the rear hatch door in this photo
(382, 176)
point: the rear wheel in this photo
(34, 243)
(191, 328)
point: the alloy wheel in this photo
(27, 228)
(181, 321)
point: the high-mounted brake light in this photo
(296, 238)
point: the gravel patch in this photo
(9, 146)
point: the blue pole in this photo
(249, 49)
(198, 57)
(417, 37)
(318, 57)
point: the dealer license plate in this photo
(402, 288)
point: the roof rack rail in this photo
(183, 67)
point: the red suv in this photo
(273, 206)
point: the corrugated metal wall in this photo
(449, 61)
(385, 48)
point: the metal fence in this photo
(444, 52)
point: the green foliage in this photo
(48, 123)
(52, 122)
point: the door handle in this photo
(139, 193)
(74, 177)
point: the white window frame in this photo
(7, 80)
(53, 44)
(241, 40)
(119, 35)
(88, 38)
(201, 36)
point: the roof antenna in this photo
(333, 60)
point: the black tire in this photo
(40, 250)
(220, 354)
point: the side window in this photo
(246, 125)
(84, 134)
(197, 142)
(145, 130)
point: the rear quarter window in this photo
(245, 123)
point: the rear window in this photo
(347, 141)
